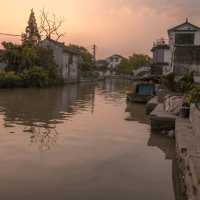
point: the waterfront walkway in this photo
(188, 153)
(187, 135)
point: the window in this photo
(184, 38)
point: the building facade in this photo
(161, 57)
(184, 43)
(108, 67)
(68, 61)
(182, 53)
(114, 61)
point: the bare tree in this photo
(50, 25)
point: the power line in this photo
(9, 34)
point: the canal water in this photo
(81, 142)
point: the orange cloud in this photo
(116, 26)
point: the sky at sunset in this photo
(116, 26)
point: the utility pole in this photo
(94, 48)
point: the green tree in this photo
(133, 62)
(22, 57)
(139, 60)
(12, 56)
(31, 34)
(28, 65)
(125, 67)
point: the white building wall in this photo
(74, 68)
(65, 66)
(195, 68)
(167, 56)
(197, 38)
(67, 71)
(113, 62)
(171, 39)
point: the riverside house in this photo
(67, 60)
(113, 62)
(181, 54)
(108, 67)
(161, 57)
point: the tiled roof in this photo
(183, 24)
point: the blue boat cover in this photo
(146, 89)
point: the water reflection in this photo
(136, 113)
(45, 137)
(167, 146)
(45, 106)
(163, 143)
(39, 111)
(86, 148)
(113, 90)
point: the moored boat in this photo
(143, 93)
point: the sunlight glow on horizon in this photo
(116, 26)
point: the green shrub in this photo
(194, 95)
(53, 76)
(10, 80)
(186, 83)
(169, 81)
(35, 77)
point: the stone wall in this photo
(195, 119)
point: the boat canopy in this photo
(145, 89)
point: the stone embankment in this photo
(187, 136)
(188, 152)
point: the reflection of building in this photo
(67, 60)
(182, 54)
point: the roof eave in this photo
(185, 23)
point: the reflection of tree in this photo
(47, 106)
(41, 110)
(44, 137)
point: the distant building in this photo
(67, 60)
(161, 57)
(181, 54)
(109, 65)
(113, 62)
